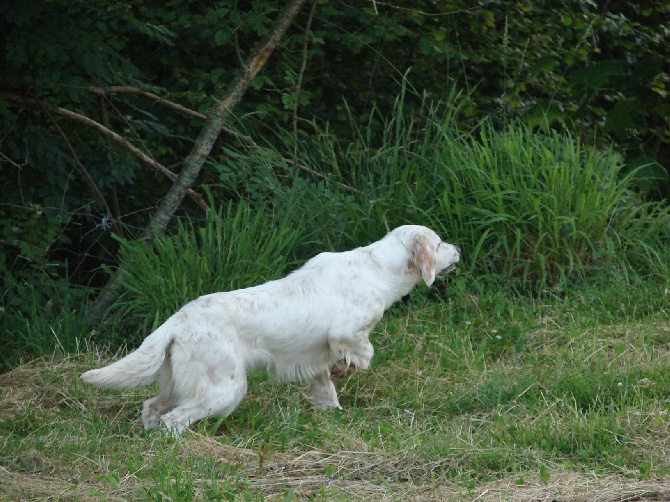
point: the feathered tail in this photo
(137, 368)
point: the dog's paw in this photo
(151, 422)
(340, 370)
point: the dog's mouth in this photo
(446, 270)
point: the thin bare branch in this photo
(7, 159)
(132, 149)
(123, 142)
(298, 84)
(138, 91)
(87, 176)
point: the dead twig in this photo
(87, 176)
(100, 91)
(123, 142)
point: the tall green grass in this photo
(530, 210)
(233, 248)
(349, 193)
(542, 210)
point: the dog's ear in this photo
(421, 259)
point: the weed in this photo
(234, 248)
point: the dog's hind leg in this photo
(219, 401)
(152, 410)
(156, 406)
(213, 385)
(181, 417)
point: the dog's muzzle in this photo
(446, 270)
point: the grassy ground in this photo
(471, 397)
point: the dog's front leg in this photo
(321, 392)
(351, 355)
(349, 341)
(354, 358)
(342, 370)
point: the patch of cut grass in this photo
(481, 395)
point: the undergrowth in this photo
(533, 213)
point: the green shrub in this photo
(237, 248)
(529, 210)
(543, 209)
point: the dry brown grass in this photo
(40, 404)
(305, 475)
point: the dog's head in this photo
(427, 253)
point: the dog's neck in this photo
(401, 276)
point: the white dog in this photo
(299, 327)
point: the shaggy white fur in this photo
(298, 328)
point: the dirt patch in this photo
(367, 476)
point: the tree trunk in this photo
(215, 121)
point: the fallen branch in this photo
(132, 149)
(214, 124)
(100, 91)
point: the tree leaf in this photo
(221, 37)
(626, 114)
(595, 76)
